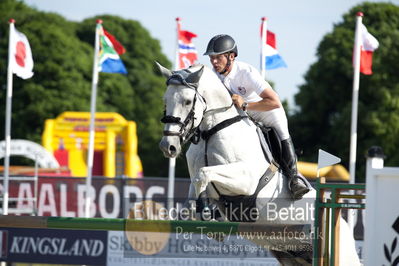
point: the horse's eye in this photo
(187, 102)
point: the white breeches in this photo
(275, 118)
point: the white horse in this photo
(227, 161)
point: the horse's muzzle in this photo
(170, 146)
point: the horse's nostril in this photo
(172, 149)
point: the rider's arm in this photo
(260, 86)
(270, 101)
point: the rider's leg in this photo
(296, 185)
(277, 119)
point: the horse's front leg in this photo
(230, 179)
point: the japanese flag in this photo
(21, 61)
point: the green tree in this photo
(138, 95)
(324, 102)
(62, 70)
(63, 57)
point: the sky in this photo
(299, 27)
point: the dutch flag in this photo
(273, 58)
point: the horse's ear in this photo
(164, 71)
(195, 76)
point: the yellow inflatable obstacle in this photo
(115, 144)
(332, 173)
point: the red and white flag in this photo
(187, 54)
(368, 43)
(21, 61)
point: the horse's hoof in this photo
(206, 214)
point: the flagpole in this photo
(355, 99)
(177, 59)
(263, 47)
(172, 161)
(8, 122)
(90, 152)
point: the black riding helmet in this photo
(221, 44)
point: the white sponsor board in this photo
(382, 214)
(192, 250)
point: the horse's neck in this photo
(217, 97)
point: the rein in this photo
(217, 110)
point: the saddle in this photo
(270, 142)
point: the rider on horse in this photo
(252, 93)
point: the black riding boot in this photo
(296, 185)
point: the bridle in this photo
(187, 130)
